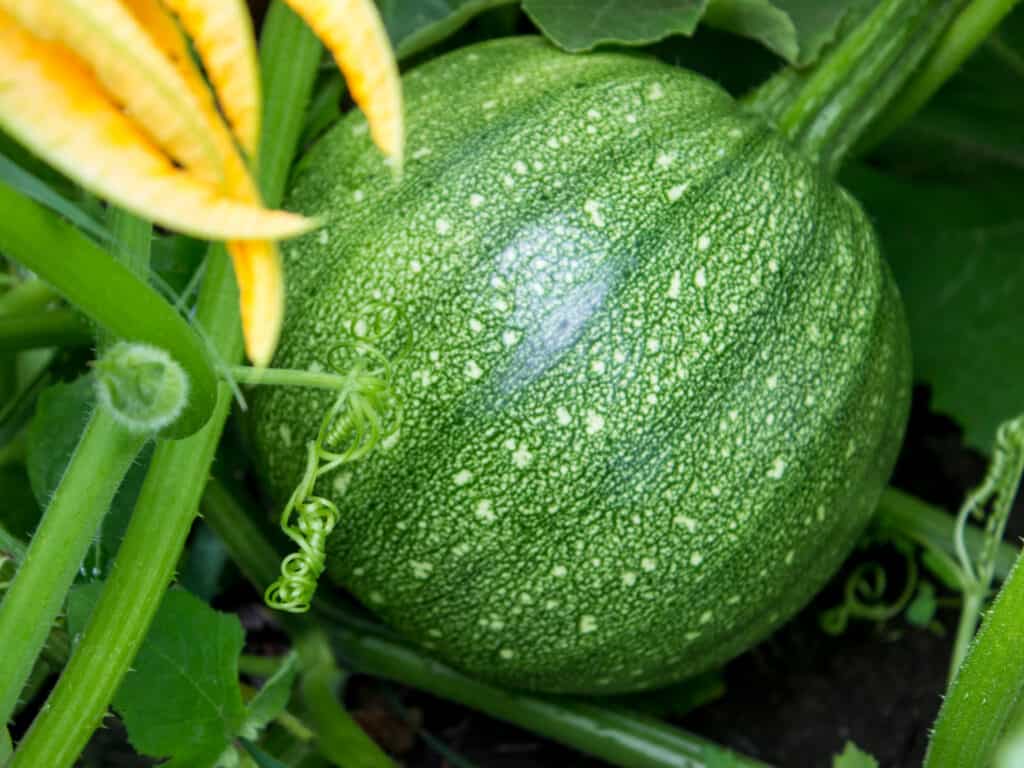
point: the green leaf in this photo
(921, 610)
(580, 25)
(20, 512)
(60, 417)
(957, 256)
(272, 698)
(261, 758)
(853, 757)
(414, 25)
(190, 657)
(797, 30)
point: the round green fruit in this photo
(654, 380)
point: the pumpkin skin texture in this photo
(657, 381)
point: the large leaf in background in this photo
(796, 30)
(974, 122)
(957, 252)
(579, 25)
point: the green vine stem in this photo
(969, 30)
(338, 736)
(108, 292)
(991, 501)
(132, 239)
(178, 471)
(987, 686)
(826, 110)
(934, 529)
(49, 328)
(103, 455)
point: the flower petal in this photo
(261, 296)
(165, 33)
(52, 103)
(354, 33)
(222, 34)
(135, 73)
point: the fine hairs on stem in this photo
(365, 413)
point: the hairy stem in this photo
(107, 292)
(286, 377)
(167, 504)
(101, 459)
(987, 685)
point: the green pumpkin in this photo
(656, 381)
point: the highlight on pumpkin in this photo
(353, 32)
(110, 93)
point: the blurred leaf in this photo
(414, 25)
(189, 656)
(580, 25)
(272, 698)
(175, 258)
(53, 435)
(20, 512)
(204, 563)
(853, 757)
(957, 252)
(38, 190)
(921, 610)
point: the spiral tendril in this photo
(365, 413)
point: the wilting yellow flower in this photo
(107, 92)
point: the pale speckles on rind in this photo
(655, 91)
(593, 208)
(675, 285)
(522, 457)
(476, 200)
(421, 569)
(778, 469)
(588, 624)
(700, 278)
(696, 559)
(559, 571)
(485, 511)
(462, 477)
(674, 193)
(443, 226)
(703, 243)
(648, 564)
(473, 370)
(629, 578)
(595, 422)
(686, 522)
(563, 416)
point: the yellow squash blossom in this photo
(107, 91)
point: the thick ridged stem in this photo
(826, 110)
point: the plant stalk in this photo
(178, 471)
(987, 686)
(49, 328)
(104, 453)
(27, 296)
(107, 292)
(826, 110)
(970, 29)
